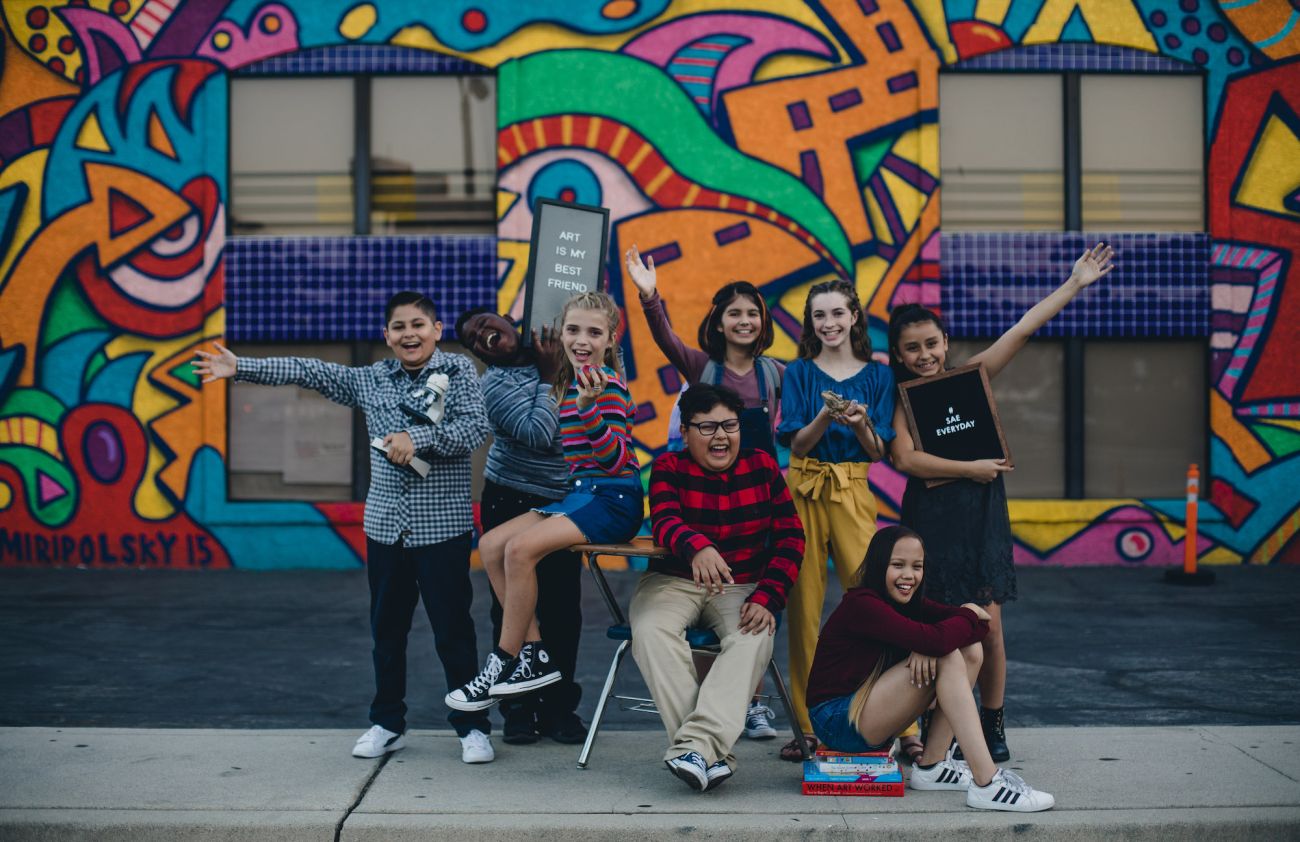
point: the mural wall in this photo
(780, 142)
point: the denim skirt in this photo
(831, 724)
(607, 510)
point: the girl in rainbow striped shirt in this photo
(604, 504)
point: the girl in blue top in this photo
(836, 415)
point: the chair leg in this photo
(605, 692)
(775, 672)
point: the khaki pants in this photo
(708, 717)
(837, 509)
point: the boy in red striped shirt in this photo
(736, 543)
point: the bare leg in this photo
(993, 676)
(492, 549)
(524, 550)
(940, 735)
(957, 713)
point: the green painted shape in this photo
(28, 461)
(35, 402)
(1279, 440)
(10, 364)
(642, 96)
(116, 383)
(867, 158)
(95, 366)
(67, 312)
(186, 374)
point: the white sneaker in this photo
(946, 774)
(757, 726)
(377, 742)
(1008, 791)
(475, 747)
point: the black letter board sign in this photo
(953, 416)
(566, 257)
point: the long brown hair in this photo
(613, 316)
(810, 346)
(710, 337)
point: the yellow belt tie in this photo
(813, 486)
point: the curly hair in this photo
(613, 316)
(810, 346)
(710, 337)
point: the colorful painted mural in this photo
(781, 142)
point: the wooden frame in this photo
(942, 386)
(596, 262)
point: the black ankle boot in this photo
(995, 734)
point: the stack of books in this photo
(838, 773)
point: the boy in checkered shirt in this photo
(426, 407)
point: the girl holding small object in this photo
(836, 415)
(732, 339)
(603, 505)
(887, 654)
(965, 524)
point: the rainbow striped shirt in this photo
(598, 440)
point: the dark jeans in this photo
(559, 608)
(438, 574)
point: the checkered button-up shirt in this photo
(400, 504)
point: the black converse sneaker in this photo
(531, 669)
(475, 696)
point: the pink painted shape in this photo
(767, 35)
(85, 24)
(618, 191)
(47, 489)
(1096, 544)
(930, 251)
(245, 49)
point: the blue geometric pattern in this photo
(1160, 286)
(1096, 58)
(361, 58)
(281, 289)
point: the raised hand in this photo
(546, 350)
(215, 366)
(642, 275)
(1093, 265)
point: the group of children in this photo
(563, 471)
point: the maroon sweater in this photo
(865, 625)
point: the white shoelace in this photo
(761, 710)
(1015, 783)
(488, 676)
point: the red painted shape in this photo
(124, 213)
(1235, 506)
(975, 37)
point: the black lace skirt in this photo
(967, 535)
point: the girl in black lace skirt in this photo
(964, 524)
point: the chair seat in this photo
(697, 638)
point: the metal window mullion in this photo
(360, 351)
(1074, 345)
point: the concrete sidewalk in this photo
(1215, 782)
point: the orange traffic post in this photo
(1190, 574)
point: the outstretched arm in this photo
(689, 361)
(339, 383)
(1088, 269)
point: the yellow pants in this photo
(838, 510)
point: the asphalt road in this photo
(1088, 646)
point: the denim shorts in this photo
(606, 510)
(830, 722)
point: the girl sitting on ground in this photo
(887, 654)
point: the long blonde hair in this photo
(613, 317)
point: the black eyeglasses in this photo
(708, 428)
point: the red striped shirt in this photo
(745, 512)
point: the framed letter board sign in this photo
(566, 257)
(953, 416)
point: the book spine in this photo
(894, 790)
(849, 770)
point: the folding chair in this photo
(701, 640)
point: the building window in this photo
(427, 145)
(288, 443)
(1000, 152)
(1004, 144)
(1144, 417)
